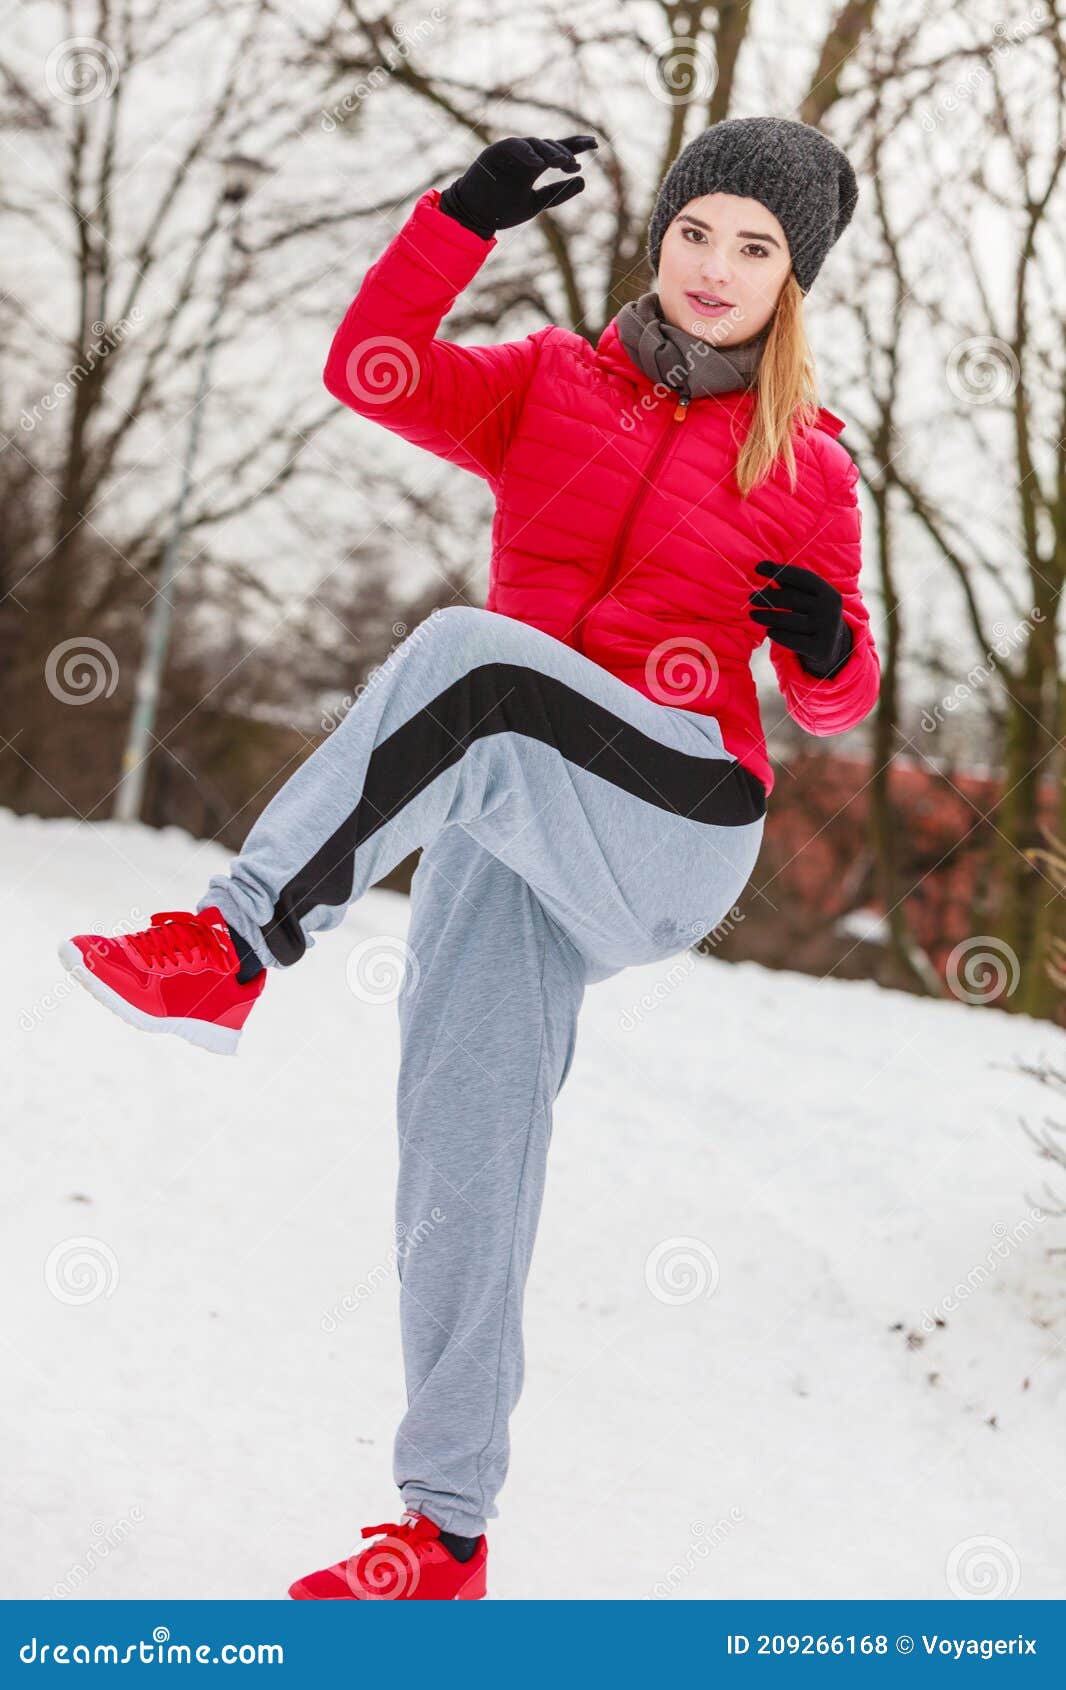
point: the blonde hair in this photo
(786, 394)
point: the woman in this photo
(582, 761)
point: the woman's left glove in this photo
(497, 191)
(806, 614)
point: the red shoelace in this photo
(408, 1531)
(178, 936)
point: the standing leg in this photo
(488, 1020)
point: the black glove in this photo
(497, 191)
(806, 615)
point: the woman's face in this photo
(724, 247)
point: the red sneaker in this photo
(177, 976)
(412, 1565)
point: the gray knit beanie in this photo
(790, 167)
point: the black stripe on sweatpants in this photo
(509, 698)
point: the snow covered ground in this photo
(763, 1190)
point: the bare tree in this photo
(991, 112)
(101, 377)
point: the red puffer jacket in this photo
(619, 527)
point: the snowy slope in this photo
(842, 1157)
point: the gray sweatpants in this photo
(571, 827)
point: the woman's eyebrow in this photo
(749, 234)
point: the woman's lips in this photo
(708, 310)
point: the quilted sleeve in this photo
(834, 549)
(386, 362)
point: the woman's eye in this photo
(752, 246)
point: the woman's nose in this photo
(715, 272)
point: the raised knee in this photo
(470, 633)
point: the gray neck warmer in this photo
(683, 361)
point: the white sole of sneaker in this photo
(222, 1041)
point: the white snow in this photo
(841, 1156)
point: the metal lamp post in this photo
(240, 176)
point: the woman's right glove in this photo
(804, 612)
(497, 191)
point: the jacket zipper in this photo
(603, 585)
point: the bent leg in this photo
(628, 818)
(488, 1018)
